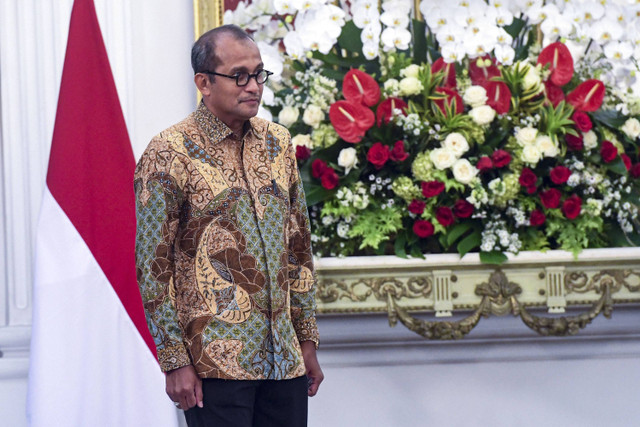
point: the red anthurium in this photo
(449, 72)
(560, 62)
(498, 96)
(452, 96)
(360, 88)
(386, 107)
(482, 70)
(351, 121)
(587, 96)
(555, 94)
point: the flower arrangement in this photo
(462, 133)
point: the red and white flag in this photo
(92, 358)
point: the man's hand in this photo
(184, 387)
(314, 373)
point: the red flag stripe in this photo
(91, 164)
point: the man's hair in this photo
(203, 52)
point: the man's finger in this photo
(313, 387)
(199, 394)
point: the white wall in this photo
(148, 42)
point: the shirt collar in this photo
(215, 128)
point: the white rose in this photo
(532, 79)
(288, 116)
(631, 128)
(457, 143)
(526, 136)
(411, 71)
(531, 154)
(313, 116)
(410, 86)
(590, 140)
(463, 171)
(347, 159)
(547, 146)
(302, 139)
(442, 158)
(475, 96)
(482, 115)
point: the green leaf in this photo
(416, 252)
(617, 166)
(611, 118)
(621, 239)
(316, 194)
(515, 27)
(399, 245)
(456, 231)
(419, 41)
(350, 38)
(493, 257)
(469, 243)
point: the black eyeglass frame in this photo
(238, 75)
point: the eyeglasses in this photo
(242, 78)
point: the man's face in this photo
(230, 103)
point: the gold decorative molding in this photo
(444, 285)
(207, 14)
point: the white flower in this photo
(547, 146)
(475, 96)
(531, 154)
(313, 116)
(410, 86)
(590, 140)
(342, 230)
(293, 45)
(412, 70)
(302, 140)
(395, 38)
(456, 143)
(618, 50)
(532, 79)
(504, 54)
(396, 18)
(442, 158)
(631, 128)
(347, 159)
(482, 115)
(464, 171)
(526, 136)
(370, 50)
(392, 87)
(287, 7)
(453, 52)
(288, 116)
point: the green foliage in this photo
(375, 226)
(557, 120)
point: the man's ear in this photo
(202, 83)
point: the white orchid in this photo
(504, 54)
(618, 50)
(287, 7)
(605, 31)
(271, 59)
(396, 18)
(395, 38)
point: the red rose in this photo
(318, 167)
(444, 216)
(574, 143)
(635, 170)
(416, 207)
(432, 188)
(397, 153)
(551, 198)
(462, 209)
(378, 154)
(626, 160)
(484, 164)
(528, 179)
(500, 158)
(329, 179)
(537, 218)
(608, 152)
(302, 152)
(582, 121)
(571, 207)
(560, 174)
(422, 228)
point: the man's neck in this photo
(236, 126)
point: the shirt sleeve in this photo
(302, 276)
(158, 200)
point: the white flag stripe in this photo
(89, 365)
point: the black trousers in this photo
(259, 403)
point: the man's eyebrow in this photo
(244, 69)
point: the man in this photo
(223, 251)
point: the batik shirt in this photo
(223, 250)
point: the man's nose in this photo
(252, 86)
